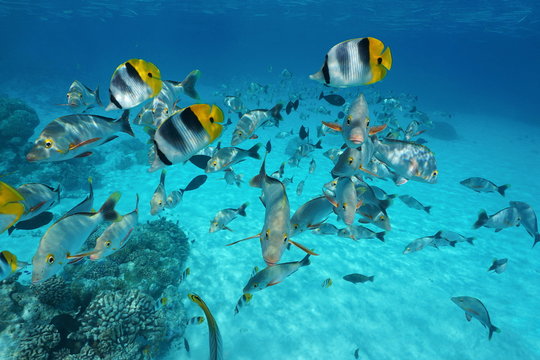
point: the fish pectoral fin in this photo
(84, 154)
(333, 126)
(273, 283)
(34, 208)
(254, 136)
(303, 248)
(332, 201)
(358, 204)
(468, 316)
(314, 226)
(86, 142)
(124, 240)
(251, 237)
(228, 228)
(75, 260)
(375, 129)
(368, 172)
(81, 255)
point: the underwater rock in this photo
(115, 319)
(37, 342)
(443, 131)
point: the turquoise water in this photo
(471, 66)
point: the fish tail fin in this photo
(242, 209)
(12, 228)
(318, 145)
(137, 203)
(257, 180)
(452, 243)
(124, 123)
(470, 240)
(188, 84)
(321, 95)
(427, 209)
(482, 219)
(98, 99)
(371, 278)
(380, 235)
(492, 329)
(162, 177)
(385, 204)
(254, 151)
(195, 183)
(107, 209)
(502, 189)
(305, 261)
(275, 112)
(536, 238)
(387, 58)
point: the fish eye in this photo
(434, 173)
(214, 163)
(344, 206)
(285, 238)
(267, 233)
(211, 119)
(295, 226)
(382, 218)
(349, 120)
(68, 95)
(255, 285)
(160, 202)
(350, 160)
(48, 143)
(379, 60)
(150, 74)
(367, 121)
(50, 259)
(107, 243)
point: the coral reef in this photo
(108, 309)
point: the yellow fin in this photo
(11, 259)
(8, 194)
(14, 210)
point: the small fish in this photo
(454, 237)
(34, 223)
(505, 218)
(325, 229)
(268, 146)
(234, 103)
(64, 238)
(37, 198)
(333, 154)
(357, 232)
(327, 283)
(349, 163)
(229, 156)
(214, 336)
(225, 216)
(231, 178)
(185, 133)
(376, 215)
(479, 184)
(9, 264)
(291, 105)
(413, 203)
(357, 353)
(81, 98)
(72, 136)
(499, 266)
(284, 134)
(186, 345)
(287, 181)
(332, 99)
(132, 83)
(310, 215)
(279, 173)
(300, 187)
(409, 160)
(273, 275)
(158, 202)
(358, 278)
(345, 200)
(303, 133)
(355, 62)
(254, 119)
(475, 309)
(185, 274)
(312, 166)
(244, 300)
(418, 244)
(196, 320)
(116, 235)
(527, 218)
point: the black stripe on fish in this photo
(161, 155)
(191, 121)
(363, 51)
(325, 71)
(343, 59)
(114, 101)
(133, 73)
(172, 136)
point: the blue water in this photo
(476, 61)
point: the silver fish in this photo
(502, 219)
(499, 266)
(345, 201)
(73, 136)
(228, 156)
(37, 198)
(300, 187)
(312, 214)
(475, 309)
(273, 275)
(225, 216)
(413, 203)
(81, 98)
(527, 219)
(357, 232)
(312, 166)
(375, 215)
(418, 244)
(454, 236)
(252, 120)
(325, 229)
(479, 184)
(231, 178)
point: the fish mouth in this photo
(31, 157)
(356, 139)
(269, 262)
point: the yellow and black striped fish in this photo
(132, 83)
(185, 133)
(214, 336)
(8, 264)
(11, 206)
(355, 62)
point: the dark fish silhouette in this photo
(33, 223)
(333, 99)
